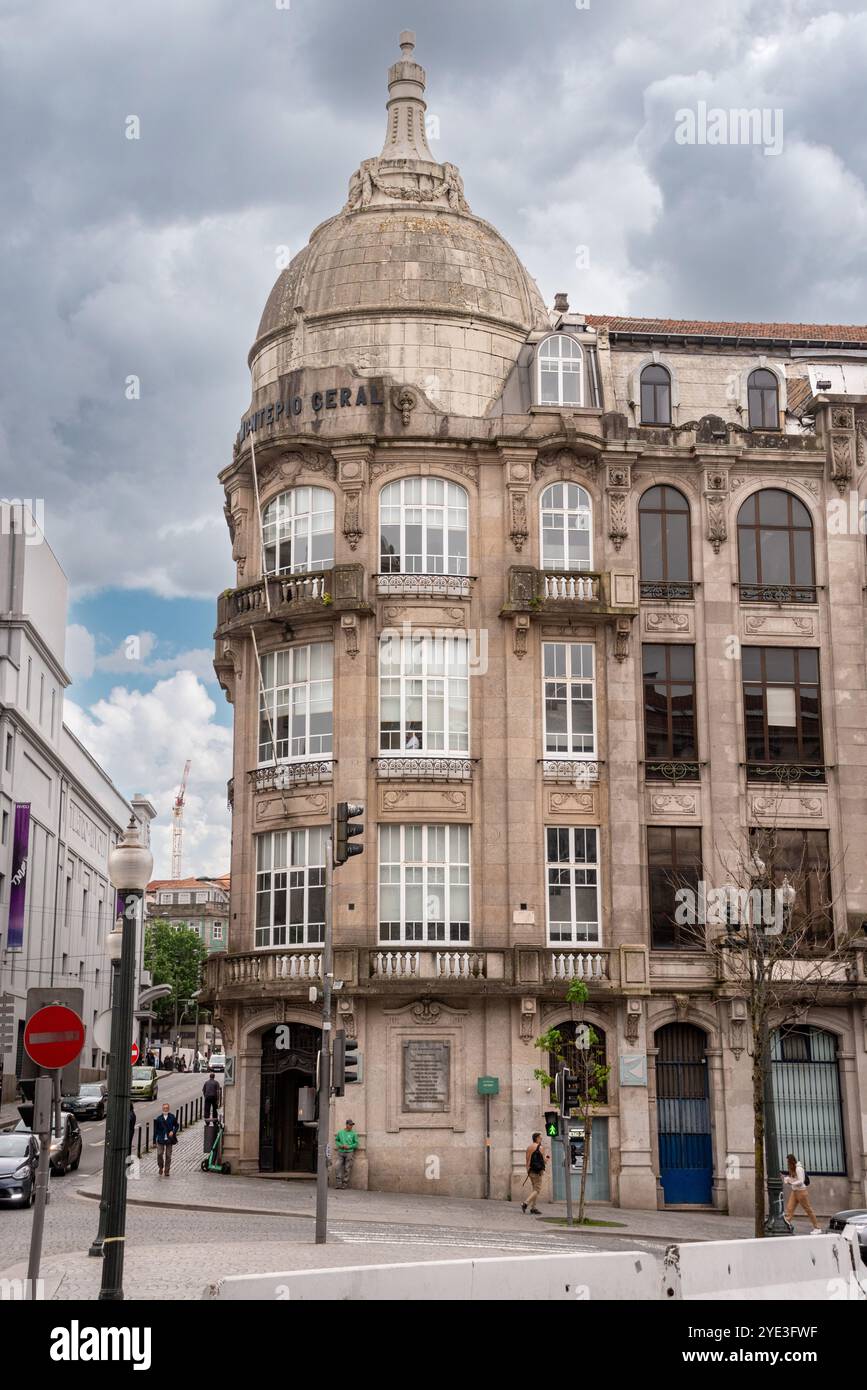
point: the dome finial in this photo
(405, 134)
(407, 43)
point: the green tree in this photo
(175, 956)
(592, 1076)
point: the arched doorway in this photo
(286, 1144)
(683, 1115)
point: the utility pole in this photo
(324, 1113)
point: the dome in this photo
(405, 281)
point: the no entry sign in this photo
(54, 1036)
(134, 1053)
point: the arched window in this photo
(577, 1058)
(298, 531)
(423, 526)
(807, 1099)
(763, 398)
(655, 396)
(561, 365)
(666, 560)
(567, 533)
(775, 548)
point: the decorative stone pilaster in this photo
(353, 462)
(842, 447)
(716, 488)
(617, 486)
(518, 465)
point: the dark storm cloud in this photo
(152, 257)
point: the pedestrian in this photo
(165, 1137)
(131, 1126)
(149, 1059)
(796, 1180)
(347, 1143)
(213, 1093)
(536, 1164)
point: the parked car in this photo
(91, 1102)
(19, 1156)
(217, 1062)
(144, 1083)
(856, 1217)
(66, 1147)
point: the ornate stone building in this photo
(557, 598)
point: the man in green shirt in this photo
(347, 1143)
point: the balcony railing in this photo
(666, 590)
(577, 771)
(599, 593)
(263, 967)
(450, 965)
(591, 964)
(290, 596)
(423, 768)
(285, 775)
(571, 587)
(777, 593)
(424, 585)
(672, 770)
(787, 774)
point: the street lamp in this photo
(113, 946)
(130, 866)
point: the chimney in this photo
(561, 302)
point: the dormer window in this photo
(561, 371)
(655, 396)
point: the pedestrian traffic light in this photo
(552, 1124)
(344, 830)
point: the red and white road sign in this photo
(54, 1037)
(134, 1053)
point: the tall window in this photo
(807, 1099)
(561, 365)
(674, 863)
(423, 694)
(802, 857)
(424, 883)
(296, 703)
(669, 705)
(298, 531)
(782, 708)
(569, 688)
(580, 1060)
(572, 858)
(423, 525)
(763, 399)
(666, 560)
(775, 548)
(290, 887)
(567, 535)
(655, 396)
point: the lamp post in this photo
(113, 943)
(130, 866)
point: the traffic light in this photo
(344, 830)
(351, 1061)
(552, 1124)
(338, 1062)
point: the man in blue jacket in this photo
(165, 1138)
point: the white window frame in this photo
(549, 361)
(183, 898)
(217, 931)
(291, 517)
(399, 497)
(437, 878)
(583, 510)
(570, 680)
(425, 662)
(297, 855)
(280, 697)
(573, 869)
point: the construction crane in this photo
(178, 822)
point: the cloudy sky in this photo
(151, 258)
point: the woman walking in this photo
(796, 1181)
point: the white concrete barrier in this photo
(628, 1274)
(818, 1268)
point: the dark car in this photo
(91, 1102)
(66, 1147)
(856, 1217)
(19, 1156)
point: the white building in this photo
(76, 812)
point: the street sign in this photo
(54, 1037)
(229, 1072)
(134, 1053)
(40, 997)
(488, 1085)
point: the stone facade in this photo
(406, 343)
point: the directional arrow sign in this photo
(54, 1036)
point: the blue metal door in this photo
(683, 1112)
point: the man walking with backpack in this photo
(536, 1164)
(213, 1093)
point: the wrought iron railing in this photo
(672, 770)
(424, 585)
(267, 779)
(786, 774)
(777, 593)
(666, 589)
(424, 768)
(578, 771)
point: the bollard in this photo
(138, 1147)
(148, 1137)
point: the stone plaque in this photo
(426, 1075)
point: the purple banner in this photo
(18, 889)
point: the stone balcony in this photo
(308, 772)
(602, 594)
(291, 599)
(450, 586)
